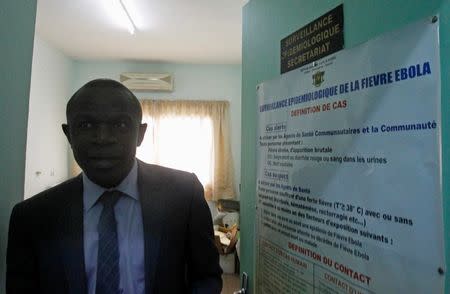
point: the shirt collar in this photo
(92, 191)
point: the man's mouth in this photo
(103, 162)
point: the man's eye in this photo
(121, 124)
(85, 125)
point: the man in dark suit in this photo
(122, 226)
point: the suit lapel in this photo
(71, 221)
(153, 205)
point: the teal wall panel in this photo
(17, 19)
(445, 106)
(266, 22)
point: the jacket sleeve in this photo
(204, 272)
(21, 273)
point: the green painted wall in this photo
(266, 22)
(17, 19)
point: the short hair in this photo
(105, 83)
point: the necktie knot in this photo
(110, 198)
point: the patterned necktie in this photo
(108, 274)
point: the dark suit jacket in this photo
(45, 245)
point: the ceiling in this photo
(174, 31)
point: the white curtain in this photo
(193, 136)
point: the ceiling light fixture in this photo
(130, 23)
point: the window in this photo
(193, 136)
(180, 142)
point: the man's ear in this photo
(141, 133)
(65, 128)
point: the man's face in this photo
(104, 130)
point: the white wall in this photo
(46, 153)
(199, 82)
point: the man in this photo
(122, 226)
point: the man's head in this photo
(104, 128)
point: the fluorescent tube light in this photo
(130, 23)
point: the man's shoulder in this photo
(147, 169)
(178, 182)
(53, 196)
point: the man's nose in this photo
(104, 134)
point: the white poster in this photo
(349, 193)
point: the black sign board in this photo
(319, 38)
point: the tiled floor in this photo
(231, 283)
